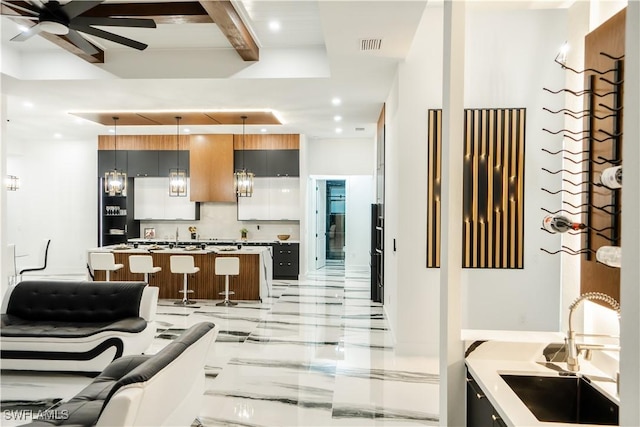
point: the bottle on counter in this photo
(612, 177)
(610, 255)
(560, 224)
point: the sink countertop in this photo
(491, 358)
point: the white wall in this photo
(57, 200)
(509, 59)
(353, 161)
(411, 291)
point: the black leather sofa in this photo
(75, 326)
(165, 389)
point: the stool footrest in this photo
(189, 291)
(224, 293)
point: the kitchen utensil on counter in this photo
(283, 236)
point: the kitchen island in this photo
(253, 283)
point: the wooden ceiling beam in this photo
(228, 20)
(188, 12)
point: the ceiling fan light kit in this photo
(66, 20)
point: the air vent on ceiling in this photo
(370, 44)
(359, 129)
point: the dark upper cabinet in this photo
(269, 163)
(168, 159)
(107, 159)
(143, 163)
(283, 163)
(254, 161)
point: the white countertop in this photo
(145, 249)
(492, 358)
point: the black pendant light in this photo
(243, 179)
(177, 176)
(115, 181)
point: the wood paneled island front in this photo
(252, 283)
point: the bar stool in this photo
(143, 264)
(183, 264)
(227, 266)
(104, 261)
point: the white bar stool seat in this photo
(143, 264)
(227, 266)
(183, 264)
(104, 261)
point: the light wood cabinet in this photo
(211, 164)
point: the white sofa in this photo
(75, 326)
(165, 389)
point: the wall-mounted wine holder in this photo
(592, 151)
(598, 130)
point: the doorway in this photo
(335, 221)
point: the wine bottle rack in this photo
(595, 132)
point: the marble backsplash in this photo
(219, 221)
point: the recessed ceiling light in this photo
(27, 104)
(336, 101)
(263, 130)
(337, 118)
(274, 26)
(57, 135)
(338, 130)
(186, 130)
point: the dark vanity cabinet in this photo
(480, 411)
(286, 260)
(268, 163)
(143, 163)
(107, 160)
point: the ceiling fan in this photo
(56, 18)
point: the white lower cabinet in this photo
(273, 199)
(152, 201)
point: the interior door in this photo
(321, 223)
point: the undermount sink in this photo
(563, 399)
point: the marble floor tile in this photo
(315, 352)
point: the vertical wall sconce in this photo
(12, 182)
(177, 176)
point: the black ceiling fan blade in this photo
(81, 42)
(115, 22)
(15, 7)
(75, 8)
(108, 36)
(25, 35)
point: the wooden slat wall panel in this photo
(493, 191)
(205, 284)
(143, 142)
(434, 157)
(609, 38)
(266, 142)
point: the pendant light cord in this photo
(178, 140)
(115, 143)
(244, 119)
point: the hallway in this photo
(316, 353)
